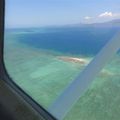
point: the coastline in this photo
(73, 60)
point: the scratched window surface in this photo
(48, 43)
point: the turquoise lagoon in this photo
(32, 59)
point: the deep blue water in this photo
(73, 40)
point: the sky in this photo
(37, 13)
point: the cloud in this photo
(106, 14)
(87, 18)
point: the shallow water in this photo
(37, 69)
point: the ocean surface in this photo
(41, 61)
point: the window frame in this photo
(44, 113)
(4, 76)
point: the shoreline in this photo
(73, 59)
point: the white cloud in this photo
(87, 18)
(106, 14)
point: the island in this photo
(73, 59)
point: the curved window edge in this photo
(7, 79)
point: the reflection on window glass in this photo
(102, 100)
(48, 43)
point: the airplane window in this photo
(48, 43)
